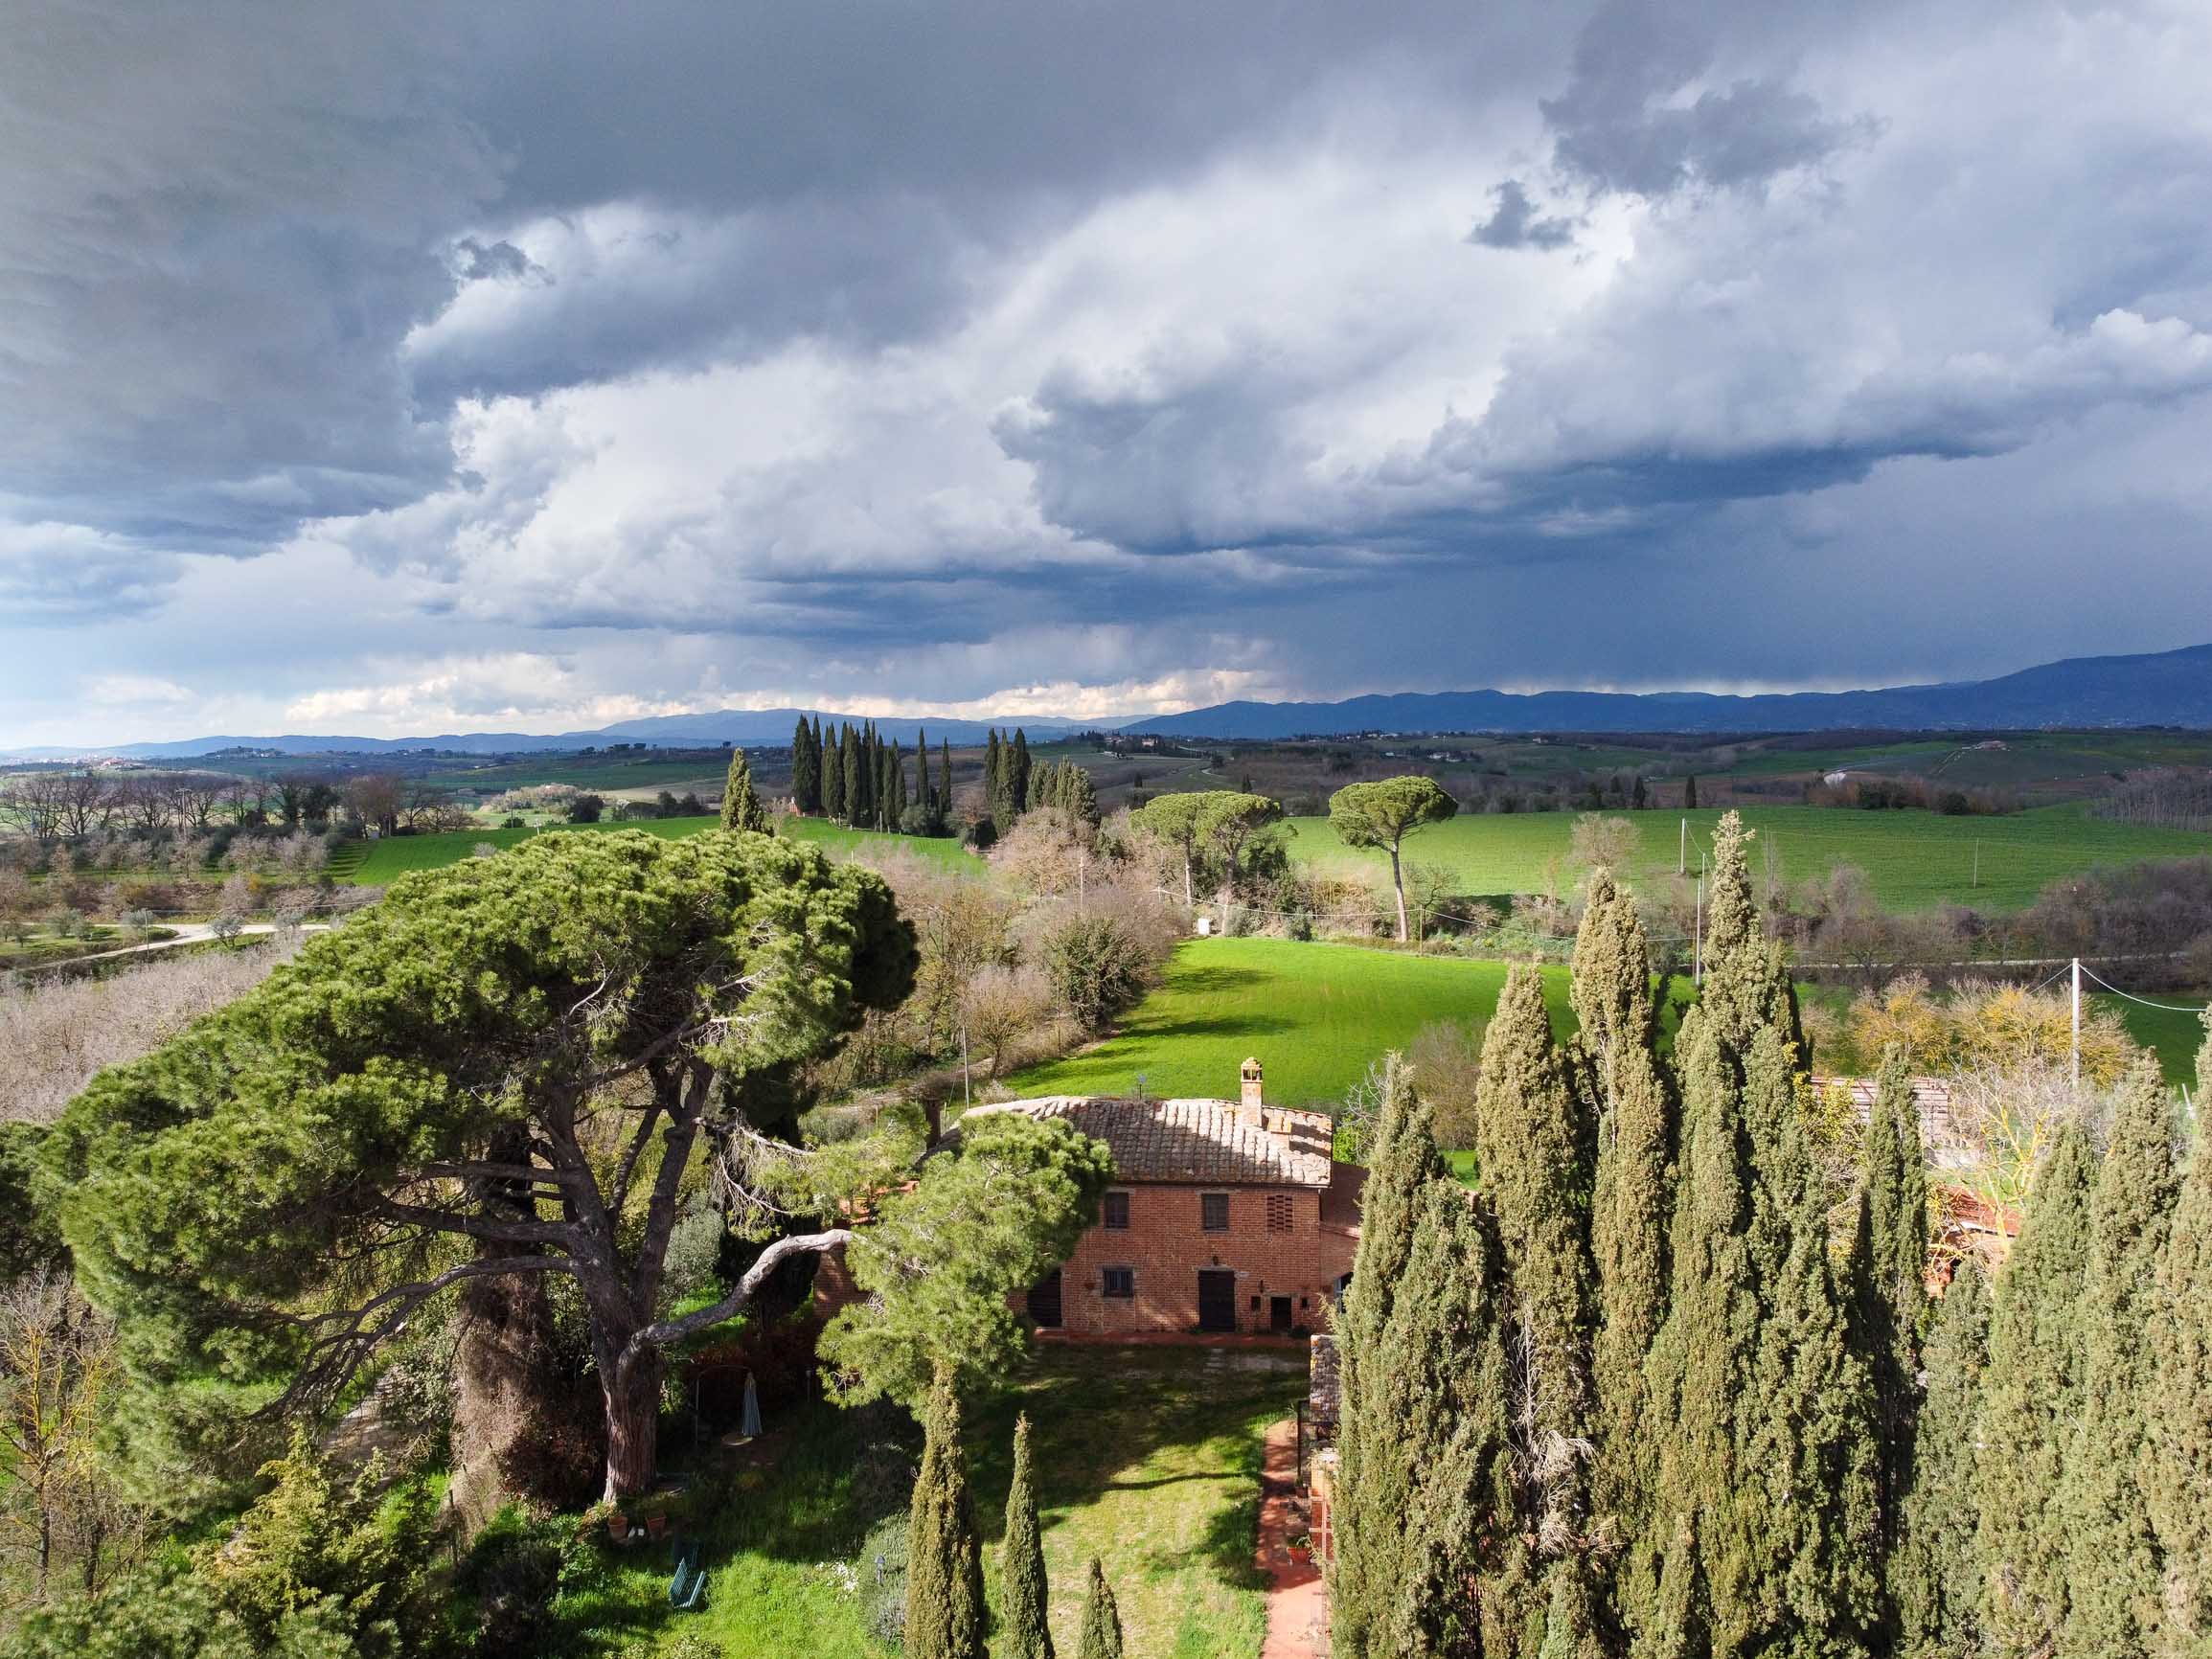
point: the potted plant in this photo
(1302, 1548)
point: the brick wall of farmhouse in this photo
(1166, 1244)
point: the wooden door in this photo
(1217, 1299)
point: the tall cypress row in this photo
(2179, 1463)
(1534, 1145)
(944, 1606)
(1023, 1596)
(1935, 1567)
(2031, 1399)
(2114, 1578)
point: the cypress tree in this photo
(1021, 1559)
(898, 785)
(2178, 1466)
(922, 794)
(1699, 1368)
(944, 775)
(2031, 1396)
(806, 769)
(994, 779)
(2114, 1579)
(1441, 1444)
(834, 781)
(1807, 1455)
(945, 1607)
(1081, 795)
(1764, 1491)
(1612, 1002)
(741, 808)
(1690, 793)
(856, 779)
(1935, 1569)
(1534, 1145)
(1102, 1620)
(1017, 777)
(1887, 1272)
(1401, 1159)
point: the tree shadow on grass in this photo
(1216, 976)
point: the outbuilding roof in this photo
(1194, 1141)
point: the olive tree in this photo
(504, 1071)
(1383, 814)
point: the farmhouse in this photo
(1225, 1217)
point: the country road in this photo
(187, 933)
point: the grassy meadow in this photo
(1317, 1015)
(1913, 860)
(375, 863)
(1147, 1456)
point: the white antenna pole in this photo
(1682, 859)
(2077, 1022)
(1698, 948)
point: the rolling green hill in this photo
(1913, 860)
(396, 855)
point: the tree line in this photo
(854, 777)
(1640, 1391)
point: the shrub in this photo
(1095, 969)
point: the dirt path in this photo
(1297, 1599)
(187, 933)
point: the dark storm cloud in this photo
(1516, 223)
(768, 342)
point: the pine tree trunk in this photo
(1398, 886)
(633, 1397)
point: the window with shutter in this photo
(1214, 1212)
(1117, 1211)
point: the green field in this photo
(1912, 860)
(1317, 1015)
(387, 859)
(1148, 1458)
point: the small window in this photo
(1117, 1211)
(1278, 1212)
(1120, 1282)
(1214, 1212)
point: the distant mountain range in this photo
(2164, 689)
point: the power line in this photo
(2168, 1007)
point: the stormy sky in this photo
(394, 368)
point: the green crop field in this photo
(394, 856)
(1317, 1015)
(1912, 860)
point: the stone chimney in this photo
(1251, 1111)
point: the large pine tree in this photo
(2031, 1399)
(1534, 1146)
(945, 1608)
(1935, 1567)
(2113, 1608)
(1023, 1596)
(2178, 1465)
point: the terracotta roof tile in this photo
(1194, 1141)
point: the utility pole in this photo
(1698, 943)
(2077, 1068)
(1682, 859)
(967, 1087)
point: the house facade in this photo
(1224, 1217)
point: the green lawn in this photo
(2175, 1037)
(1317, 1015)
(1147, 1456)
(1913, 860)
(394, 855)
